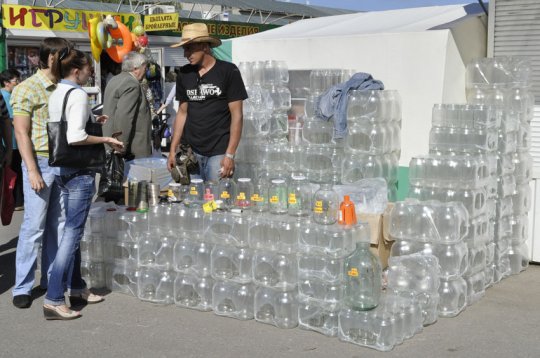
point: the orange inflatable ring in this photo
(117, 53)
(95, 46)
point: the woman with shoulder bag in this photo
(69, 103)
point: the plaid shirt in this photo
(31, 98)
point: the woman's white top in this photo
(77, 110)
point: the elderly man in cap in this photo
(209, 118)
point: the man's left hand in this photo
(227, 167)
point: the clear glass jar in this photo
(363, 279)
(174, 192)
(277, 196)
(226, 192)
(325, 205)
(210, 191)
(299, 196)
(259, 198)
(244, 190)
(196, 192)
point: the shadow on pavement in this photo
(7, 265)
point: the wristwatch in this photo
(229, 155)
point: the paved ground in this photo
(502, 324)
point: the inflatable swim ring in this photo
(117, 53)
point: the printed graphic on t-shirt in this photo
(205, 91)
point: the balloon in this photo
(95, 45)
(138, 30)
(143, 40)
(102, 34)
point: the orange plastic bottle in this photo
(347, 213)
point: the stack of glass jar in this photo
(504, 83)
(370, 149)
(479, 156)
(318, 154)
(372, 145)
(277, 267)
(462, 167)
(265, 112)
(438, 229)
(320, 80)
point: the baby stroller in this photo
(161, 132)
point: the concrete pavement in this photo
(502, 324)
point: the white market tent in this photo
(421, 52)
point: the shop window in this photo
(23, 59)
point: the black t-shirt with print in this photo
(208, 123)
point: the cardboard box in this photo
(381, 243)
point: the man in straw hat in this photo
(209, 118)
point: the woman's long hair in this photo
(68, 59)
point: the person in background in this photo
(9, 79)
(170, 98)
(43, 221)
(209, 118)
(126, 106)
(6, 151)
(77, 185)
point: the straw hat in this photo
(197, 32)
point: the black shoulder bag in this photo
(61, 154)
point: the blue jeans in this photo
(208, 167)
(78, 189)
(43, 223)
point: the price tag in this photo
(292, 198)
(225, 195)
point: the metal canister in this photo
(153, 194)
(142, 196)
(133, 186)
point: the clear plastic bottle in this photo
(325, 205)
(363, 279)
(277, 196)
(299, 196)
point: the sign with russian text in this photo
(221, 29)
(160, 22)
(55, 19)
